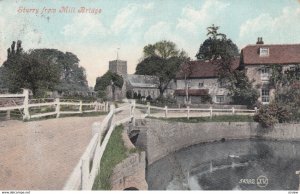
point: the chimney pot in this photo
(260, 40)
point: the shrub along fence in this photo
(37, 108)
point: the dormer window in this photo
(264, 52)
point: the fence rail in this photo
(84, 174)
(57, 103)
(192, 112)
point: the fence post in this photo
(255, 108)
(211, 112)
(233, 111)
(133, 112)
(148, 108)
(85, 173)
(106, 107)
(26, 115)
(188, 112)
(57, 110)
(166, 111)
(8, 115)
(80, 106)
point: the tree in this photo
(42, 70)
(26, 70)
(186, 70)
(72, 76)
(161, 59)
(216, 46)
(221, 51)
(108, 79)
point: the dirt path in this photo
(42, 154)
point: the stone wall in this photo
(160, 138)
(130, 173)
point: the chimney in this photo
(260, 40)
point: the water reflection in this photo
(231, 165)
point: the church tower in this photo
(119, 67)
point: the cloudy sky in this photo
(132, 24)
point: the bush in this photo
(206, 99)
(165, 101)
(271, 114)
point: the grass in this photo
(114, 153)
(222, 118)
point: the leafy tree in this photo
(221, 51)
(216, 46)
(27, 70)
(108, 79)
(72, 76)
(42, 70)
(161, 59)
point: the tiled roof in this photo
(143, 81)
(205, 69)
(278, 54)
(192, 92)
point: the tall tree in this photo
(27, 70)
(217, 45)
(43, 70)
(161, 59)
(221, 51)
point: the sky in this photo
(131, 24)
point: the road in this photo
(40, 155)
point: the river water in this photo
(229, 165)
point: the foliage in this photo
(271, 114)
(72, 76)
(129, 94)
(241, 90)
(221, 51)
(206, 98)
(161, 59)
(27, 70)
(108, 79)
(42, 70)
(286, 83)
(288, 97)
(216, 46)
(163, 101)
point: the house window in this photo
(265, 95)
(201, 84)
(265, 73)
(220, 99)
(264, 52)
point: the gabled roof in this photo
(143, 81)
(205, 69)
(278, 54)
(192, 92)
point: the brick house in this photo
(258, 60)
(201, 81)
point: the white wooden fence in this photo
(56, 103)
(84, 174)
(188, 112)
